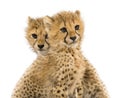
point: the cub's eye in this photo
(46, 36)
(34, 36)
(63, 29)
(77, 27)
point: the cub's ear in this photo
(77, 12)
(30, 19)
(47, 20)
(32, 22)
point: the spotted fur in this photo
(63, 72)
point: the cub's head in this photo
(64, 28)
(36, 35)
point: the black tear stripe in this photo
(47, 43)
(65, 26)
(65, 37)
(77, 33)
(34, 42)
(46, 38)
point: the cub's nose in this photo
(40, 46)
(73, 38)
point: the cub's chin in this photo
(72, 44)
(42, 52)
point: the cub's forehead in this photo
(66, 17)
(37, 30)
(41, 31)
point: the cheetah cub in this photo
(36, 35)
(73, 76)
(65, 31)
(27, 86)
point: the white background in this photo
(101, 44)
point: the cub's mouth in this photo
(74, 42)
(71, 43)
(44, 49)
